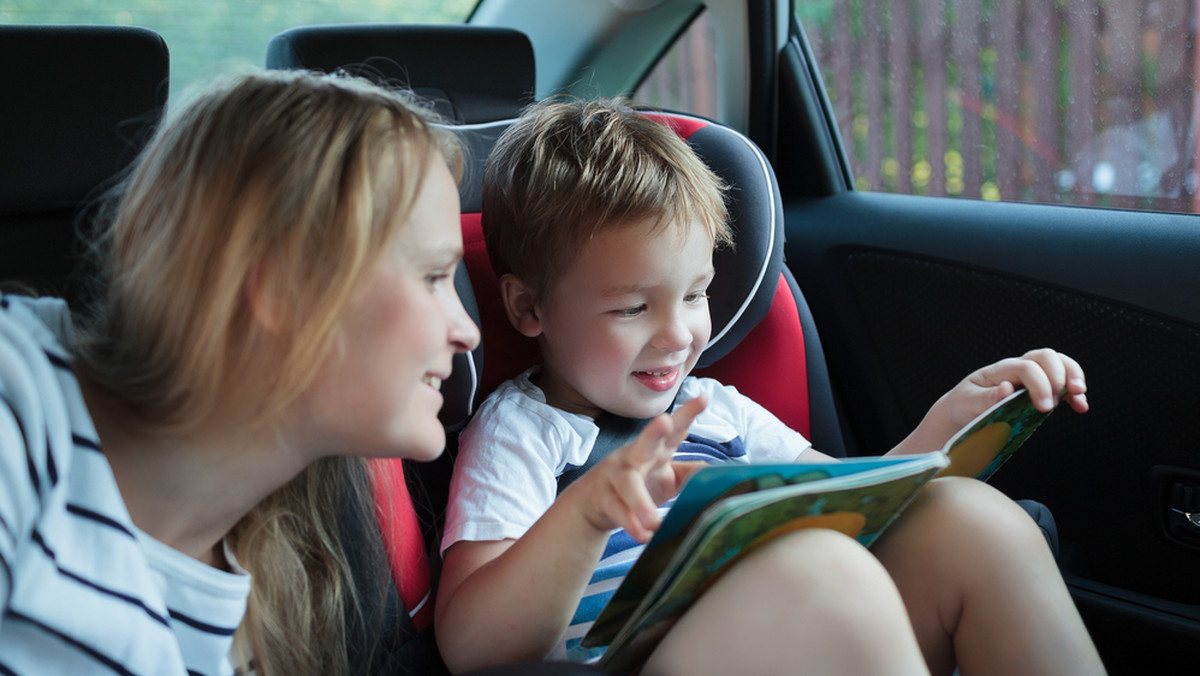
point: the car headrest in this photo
(472, 74)
(80, 104)
(746, 274)
(478, 79)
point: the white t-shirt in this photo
(514, 449)
(83, 590)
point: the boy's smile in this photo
(627, 322)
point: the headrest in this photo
(747, 274)
(471, 73)
(80, 102)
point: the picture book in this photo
(724, 511)
(992, 437)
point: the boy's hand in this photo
(1044, 373)
(625, 489)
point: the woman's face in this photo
(381, 398)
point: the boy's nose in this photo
(673, 335)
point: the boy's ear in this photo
(521, 306)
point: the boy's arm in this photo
(1044, 373)
(511, 600)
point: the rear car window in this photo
(211, 37)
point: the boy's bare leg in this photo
(814, 601)
(982, 587)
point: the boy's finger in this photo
(622, 517)
(1078, 402)
(1036, 373)
(683, 417)
(1076, 381)
(649, 444)
(631, 493)
(1052, 365)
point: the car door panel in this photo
(911, 293)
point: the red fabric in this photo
(684, 126)
(506, 353)
(402, 539)
(768, 365)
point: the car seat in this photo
(82, 102)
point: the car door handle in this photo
(1183, 500)
(1178, 503)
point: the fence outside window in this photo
(1088, 102)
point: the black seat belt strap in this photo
(615, 432)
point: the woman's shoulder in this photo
(45, 429)
(45, 320)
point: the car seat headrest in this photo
(81, 102)
(472, 74)
(747, 273)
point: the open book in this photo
(724, 511)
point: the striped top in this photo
(82, 590)
(516, 446)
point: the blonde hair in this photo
(281, 187)
(570, 168)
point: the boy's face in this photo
(627, 322)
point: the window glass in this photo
(211, 37)
(1073, 102)
(685, 79)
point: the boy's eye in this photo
(436, 278)
(696, 297)
(631, 311)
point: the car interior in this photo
(846, 311)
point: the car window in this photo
(684, 78)
(209, 38)
(1085, 102)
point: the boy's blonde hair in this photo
(571, 168)
(283, 187)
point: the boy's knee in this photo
(962, 508)
(814, 558)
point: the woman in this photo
(277, 297)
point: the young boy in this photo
(602, 225)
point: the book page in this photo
(988, 441)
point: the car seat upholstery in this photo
(471, 74)
(81, 103)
